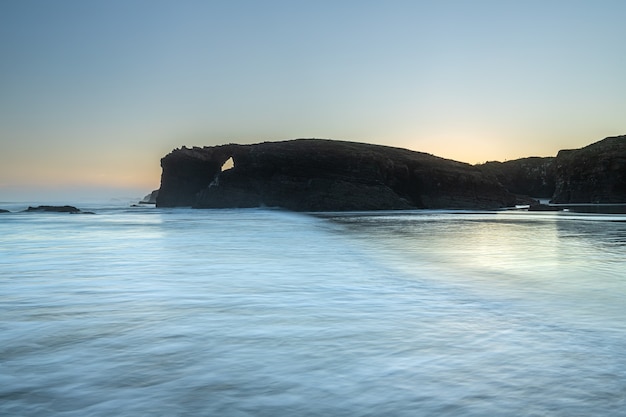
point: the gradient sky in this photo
(94, 93)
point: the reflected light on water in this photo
(135, 312)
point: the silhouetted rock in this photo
(323, 175)
(57, 209)
(593, 174)
(317, 175)
(543, 207)
(4, 211)
(534, 176)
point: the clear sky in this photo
(94, 93)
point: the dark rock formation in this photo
(319, 175)
(323, 175)
(593, 174)
(532, 176)
(188, 171)
(543, 207)
(57, 209)
(4, 211)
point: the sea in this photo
(144, 311)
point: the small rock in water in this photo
(56, 209)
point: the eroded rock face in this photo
(532, 176)
(323, 175)
(593, 174)
(187, 171)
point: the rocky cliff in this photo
(593, 174)
(532, 176)
(323, 175)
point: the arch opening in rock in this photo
(229, 164)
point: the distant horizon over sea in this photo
(137, 311)
(73, 195)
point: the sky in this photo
(94, 93)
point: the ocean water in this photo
(180, 312)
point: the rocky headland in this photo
(595, 174)
(328, 175)
(323, 175)
(532, 176)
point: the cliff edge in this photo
(534, 176)
(593, 174)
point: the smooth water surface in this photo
(155, 312)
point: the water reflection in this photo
(539, 259)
